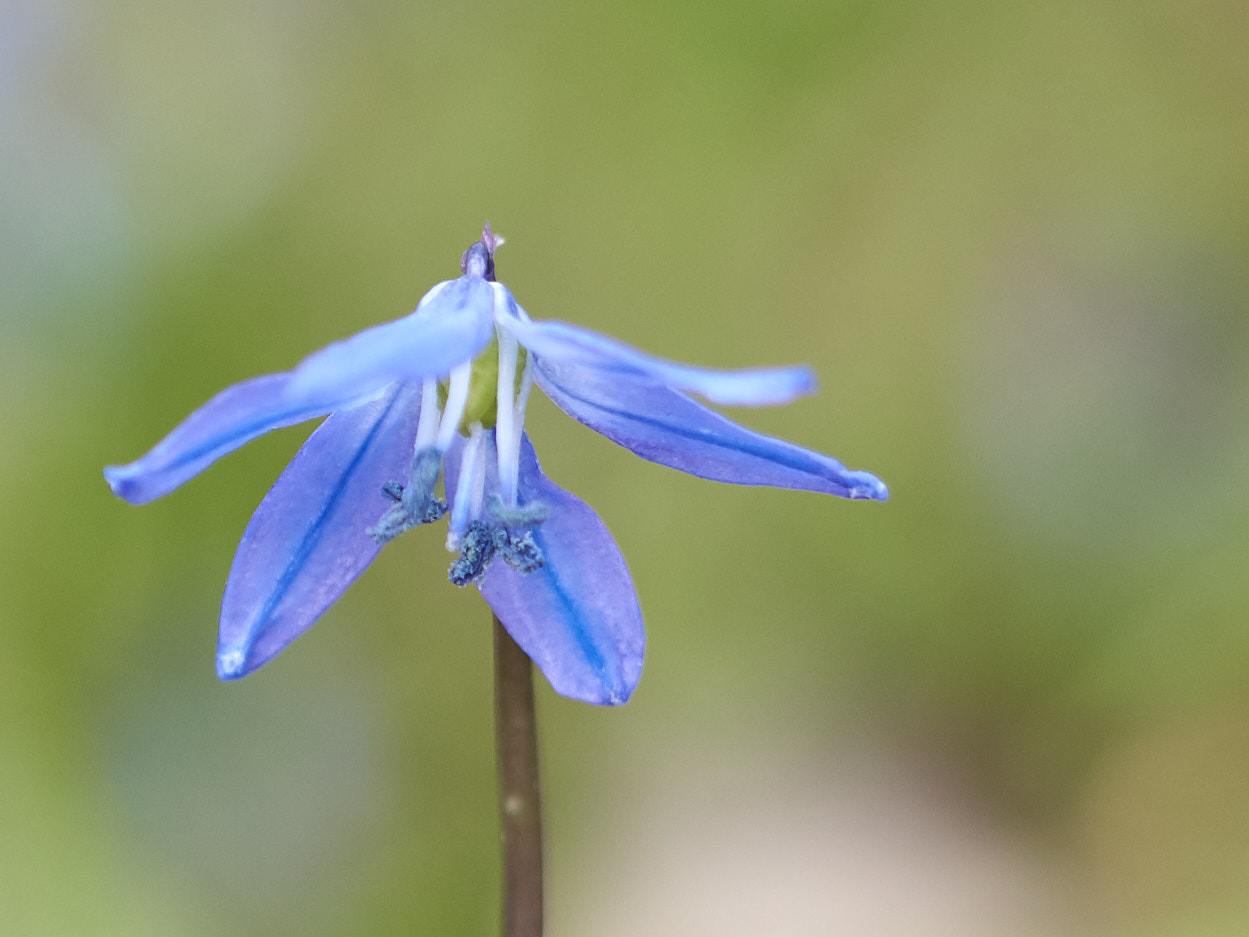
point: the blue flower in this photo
(442, 392)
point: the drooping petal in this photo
(235, 416)
(577, 617)
(307, 541)
(451, 324)
(667, 427)
(568, 344)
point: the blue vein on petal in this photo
(811, 467)
(256, 427)
(592, 655)
(313, 536)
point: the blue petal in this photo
(451, 324)
(577, 617)
(235, 416)
(667, 427)
(568, 344)
(307, 543)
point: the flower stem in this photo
(520, 804)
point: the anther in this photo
(415, 503)
(526, 515)
(522, 552)
(476, 550)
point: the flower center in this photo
(482, 405)
(484, 401)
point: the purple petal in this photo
(307, 543)
(667, 427)
(568, 344)
(451, 324)
(235, 416)
(577, 617)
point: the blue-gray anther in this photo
(476, 551)
(520, 551)
(513, 535)
(525, 515)
(415, 502)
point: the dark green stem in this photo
(520, 804)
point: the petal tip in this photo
(123, 484)
(606, 694)
(806, 383)
(232, 663)
(868, 488)
(607, 684)
(616, 698)
(618, 691)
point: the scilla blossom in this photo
(440, 396)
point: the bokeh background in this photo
(1012, 239)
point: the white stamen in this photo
(522, 395)
(526, 378)
(457, 398)
(427, 424)
(478, 494)
(472, 477)
(507, 426)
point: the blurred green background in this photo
(1011, 238)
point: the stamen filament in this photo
(479, 489)
(526, 377)
(522, 393)
(470, 469)
(507, 424)
(427, 423)
(457, 397)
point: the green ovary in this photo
(482, 404)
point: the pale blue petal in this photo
(307, 541)
(235, 416)
(568, 344)
(667, 427)
(453, 322)
(577, 617)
